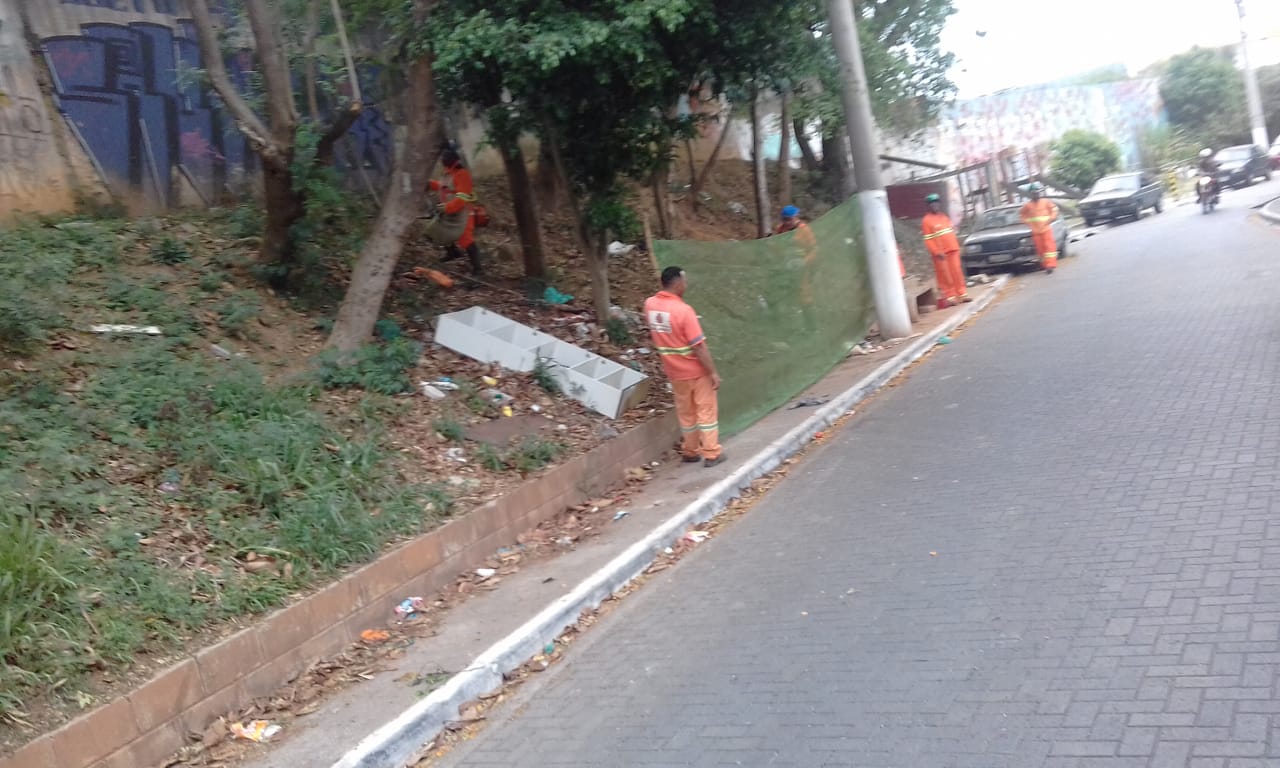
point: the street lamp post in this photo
(1257, 122)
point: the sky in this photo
(1025, 44)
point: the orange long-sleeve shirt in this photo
(1039, 215)
(939, 234)
(459, 192)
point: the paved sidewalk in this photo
(319, 739)
(1055, 544)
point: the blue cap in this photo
(790, 212)
(933, 198)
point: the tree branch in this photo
(344, 121)
(248, 123)
(276, 78)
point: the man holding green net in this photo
(677, 336)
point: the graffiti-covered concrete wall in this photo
(976, 130)
(32, 172)
(124, 76)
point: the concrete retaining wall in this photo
(145, 727)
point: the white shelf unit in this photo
(597, 382)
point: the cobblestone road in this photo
(1095, 463)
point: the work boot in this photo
(694, 459)
(712, 462)
(451, 253)
(473, 252)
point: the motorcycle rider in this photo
(1209, 168)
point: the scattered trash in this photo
(620, 249)
(256, 731)
(737, 208)
(642, 351)
(809, 402)
(944, 340)
(549, 579)
(620, 514)
(933, 554)
(549, 649)
(697, 537)
(489, 380)
(221, 351)
(169, 487)
(536, 408)
(435, 276)
(506, 411)
(582, 330)
(607, 432)
(668, 551)
(445, 384)
(562, 427)
(819, 435)
(456, 454)
(375, 636)
(486, 573)
(554, 297)
(497, 397)
(432, 391)
(147, 330)
(410, 607)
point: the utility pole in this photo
(1257, 122)
(877, 224)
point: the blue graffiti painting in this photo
(134, 99)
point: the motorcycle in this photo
(1207, 193)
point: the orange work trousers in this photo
(1047, 247)
(950, 274)
(699, 420)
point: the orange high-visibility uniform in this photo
(675, 331)
(1040, 215)
(458, 196)
(940, 238)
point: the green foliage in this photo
(543, 377)
(37, 261)
(381, 368)
(532, 454)
(1204, 96)
(1164, 146)
(617, 331)
(449, 428)
(169, 251)
(1082, 157)
(490, 458)
(212, 280)
(237, 312)
(256, 467)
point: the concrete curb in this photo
(1271, 211)
(400, 742)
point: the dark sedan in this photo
(1239, 166)
(1000, 239)
(1122, 196)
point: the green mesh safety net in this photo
(778, 312)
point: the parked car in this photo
(1120, 196)
(1000, 239)
(1275, 154)
(1239, 166)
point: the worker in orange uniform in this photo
(457, 198)
(1039, 214)
(678, 337)
(807, 245)
(940, 238)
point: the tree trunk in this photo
(784, 152)
(835, 166)
(807, 158)
(594, 245)
(522, 201)
(284, 207)
(547, 181)
(406, 197)
(763, 219)
(311, 30)
(660, 183)
(598, 266)
(701, 181)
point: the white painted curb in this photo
(1271, 211)
(401, 741)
